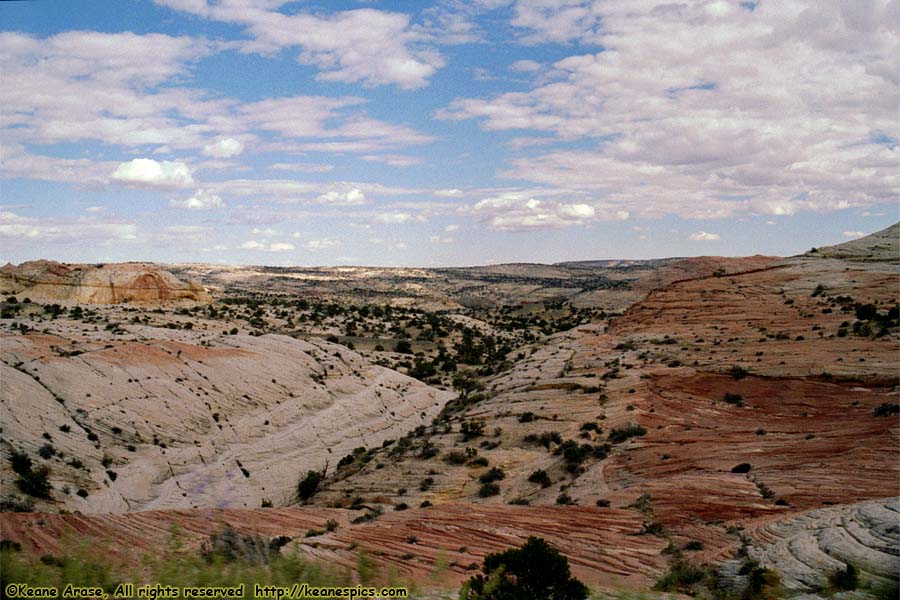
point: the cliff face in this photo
(49, 281)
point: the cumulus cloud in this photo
(709, 110)
(451, 228)
(224, 148)
(147, 172)
(371, 46)
(702, 236)
(202, 200)
(854, 234)
(352, 197)
(517, 211)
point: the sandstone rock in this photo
(139, 283)
(230, 422)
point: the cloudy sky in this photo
(453, 132)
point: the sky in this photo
(443, 133)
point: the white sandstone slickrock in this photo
(183, 425)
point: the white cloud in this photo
(518, 211)
(449, 193)
(394, 160)
(393, 218)
(525, 66)
(17, 230)
(266, 232)
(273, 247)
(366, 45)
(321, 244)
(150, 173)
(302, 167)
(708, 112)
(224, 148)
(436, 239)
(854, 234)
(702, 236)
(577, 211)
(451, 228)
(352, 197)
(202, 200)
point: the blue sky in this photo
(443, 133)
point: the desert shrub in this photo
(694, 546)
(846, 579)
(738, 372)
(629, 431)
(426, 484)
(471, 429)
(682, 577)
(495, 474)
(456, 457)
(540, 476)
(488, 489)
(733, 399)
(478, 461)
(16, 504)
(309, 485)
(564, 500)
(544, 439)
(534, 571)
(32, 480)
(762, 583)
(229, 546)
(526, 417)
(887, 409)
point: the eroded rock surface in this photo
(50, 281)
(161, 419)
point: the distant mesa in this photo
(142, 283)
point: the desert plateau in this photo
(449, 300)
(638, 416)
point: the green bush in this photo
(682, 577)
(846, 579)
(308, 486)
(535, 571)
(494, 474)
(488, 489)
(32, 480)
(629, 431)
(540, 476)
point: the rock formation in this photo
(139, 283)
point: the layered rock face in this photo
(49, 281)
(165, 419)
